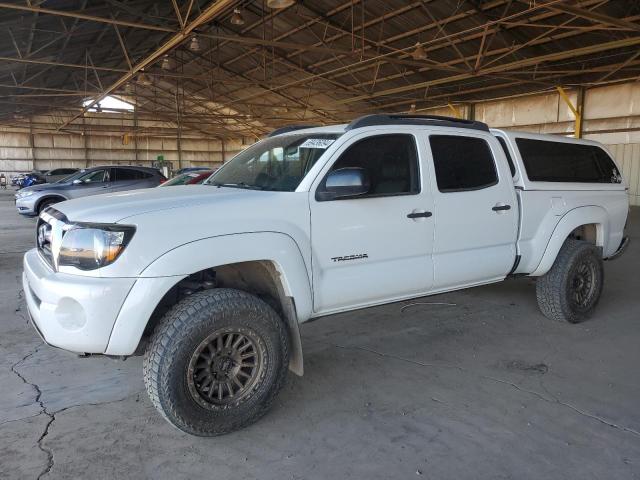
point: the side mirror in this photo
(344, 183)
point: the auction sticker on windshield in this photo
(322, 143)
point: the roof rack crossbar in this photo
(289, 128)
(408, 119)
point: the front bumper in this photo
(72, 312)
(26, 205)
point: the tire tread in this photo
(176, 324)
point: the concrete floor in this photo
(483, 388)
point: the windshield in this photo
(277, 164)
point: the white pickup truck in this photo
(210, 282)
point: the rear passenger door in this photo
(475, 210)
(128, 179)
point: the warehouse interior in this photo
(468, 384)
(201, 81)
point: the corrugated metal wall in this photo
(628, 157)
(22, 152)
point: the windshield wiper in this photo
(238, 185)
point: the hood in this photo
(45, 186)
(117, 207)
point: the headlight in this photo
(91, 246)
(22, 194)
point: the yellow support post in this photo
(577, 111)
(456, 112)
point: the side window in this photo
(548, 161)
(503, 144)
(391, 161)
(94, 177)
(124, 174)
(462, 163)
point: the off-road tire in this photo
(556, 289)
(179, 334)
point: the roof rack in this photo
(289, 128)
(403, 119)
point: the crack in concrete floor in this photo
(52, 415)
(43, 411)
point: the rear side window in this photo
(547, 161)
(462, 163)
(123, 174)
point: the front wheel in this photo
(216, 362)
(570, 291)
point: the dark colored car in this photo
(89, 181)
(35, 177)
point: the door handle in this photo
(499, 207)
(419, 215)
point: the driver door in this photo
(375, 247)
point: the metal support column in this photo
(576, 110)
(471, 111)
(32, 145)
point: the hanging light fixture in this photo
(419, 53)
(128, 88)
(144, 80)
(168, 63)
(412, 109)
(236, 17)
(194, 45)
(277, 4)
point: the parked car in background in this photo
(89, 181)
(57, 174)
(32, 178)
(17, 179)
(190, 169)
(189, 178)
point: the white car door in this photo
(376, 247)
(475, 210)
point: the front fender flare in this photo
(171, 267)
(568, 223)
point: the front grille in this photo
(49, 229)
(43, 240)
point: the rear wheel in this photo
(216, 362)
(570, 291)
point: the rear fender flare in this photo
(567, 224)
